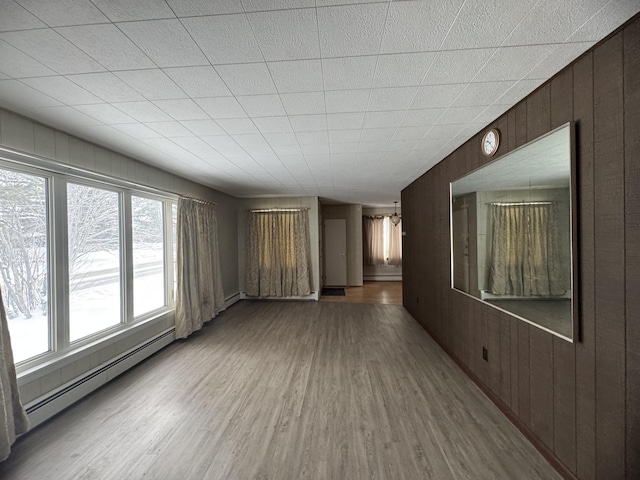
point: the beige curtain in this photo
(278, 254)
(13, 419)
(524, 256)
(373, 247)
(199, 295)
(395, 244)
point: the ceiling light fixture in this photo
(395, 218)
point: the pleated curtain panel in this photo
(199, 296)
(373, 233)
(278, 254)
(13, 420)
(395, 244)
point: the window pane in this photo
(94, 260)
(23, 262)
(148, 255)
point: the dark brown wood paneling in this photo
(541, 395)
(609, 258)
(564, 359)
(585, 348)
(524, 402)
(505, 358)
(632, 242)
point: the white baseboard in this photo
(313, 296)
(383, 278)
(54, 402)
(230, 300)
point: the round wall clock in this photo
(490, 142)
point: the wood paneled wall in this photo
(579, 402)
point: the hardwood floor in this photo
(389, 293)
(286, 390)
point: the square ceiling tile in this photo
(263, 5)
(194, 8)
(308, 123)
(481, 93)
(457, 66)
(402, 69)
(16, 17)
(106, 86)
(605, 21)
(344, 136)
(559, 58)
(62, 90)
(312, 138)
(63, 117)
(348, 73)
(436, 96)
(198, 81)
(182, 109)
(418, 26)
(152, 84)
(18, 65)
(410, 133)
(105, 113)
(203, 128)
(107, 45)
(273, 124)
(18, 96)
(460, 115)
(351, 30)
(426, 116)
(197, 146)
(346, 101)
(377, 135)
(518, 91)
(382, 119)
(125, 10)
(247, 78)
(315, 149)
(286, 34)
(293, 149)
(345, 121)
(303, 103)
(143, 111)
(489, 114)
(137, 130)
(235, 126)
(166, 42)
(170, 129)
(225, 38)
(221, 107)
(391, 98)
(224, 144)
(512, 63)
(57, 13)
(278, 139)
(343, 147)
(297, 76)
(262, 105)
(52, 50)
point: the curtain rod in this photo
(382, 215)
(199, 200)
(510, 204)
(265, 210)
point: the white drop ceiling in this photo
(347, 100)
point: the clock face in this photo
(490, 142)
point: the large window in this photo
(382, 241)
(80, 258)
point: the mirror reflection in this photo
(511, 233)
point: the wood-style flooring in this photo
(388, 293)
(286, 390)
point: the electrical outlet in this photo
(485, 354)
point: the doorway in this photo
(335, 252)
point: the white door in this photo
(335, 252)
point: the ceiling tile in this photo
(286, 34)
(390, 98)
(410, 133)
(182, 109)
(312, 138)
(482, 93)
(198, 81)
(193, 8)
(343, 147)
(57, 13)
(425, 116)
(344, 136)
(262, 105)
(351, 30)
(136, 130)
(62, 90)
(15, 94)
(203, 128)
(346, 101)
(382, 119)
(152, 84)
(346, 121)
(457, 66)
(605, 21)
(512, 63)
(460, 115)
(398, 70)
(436, 96)
(105, 113)
(273, 124)
(559, 58)
(170, 129)
(378, 135)
(303, 103)
(297, 76)
(348, 72)
(196, 146)
(223, 144)
(107, 45)
(308, 123)
(247, 79)
(125, 10)
(518, 91)
(15, 17)
(166, 42)
(224, 38)
(143, 111)
(106, 86)
(237, 125)
(52, 50)
(263, 5)
(488, 115)
(221, 107)
(416, 26)
(63, 117)
(18, 65)
(278, 139)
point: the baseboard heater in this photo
(56, 401)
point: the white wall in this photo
(382, 272)
(281, 202)
(24, 135)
